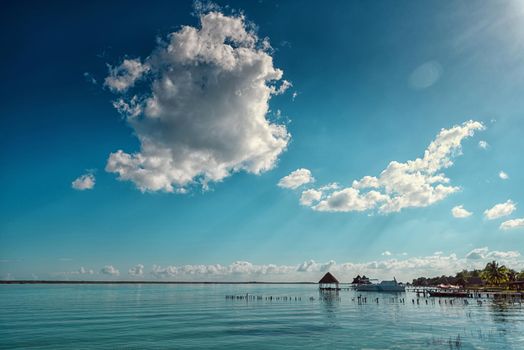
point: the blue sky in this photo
(193, 193)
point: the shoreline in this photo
(138, 282)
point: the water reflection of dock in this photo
(370, 298)
(251, 297)
(465, 293)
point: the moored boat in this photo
(384, 286)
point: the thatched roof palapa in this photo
(328, 278)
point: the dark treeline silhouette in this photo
(492, 275)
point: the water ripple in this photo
(197, 317)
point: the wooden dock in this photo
(466, 293)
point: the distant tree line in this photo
(492, 275)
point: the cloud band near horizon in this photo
(402, 267)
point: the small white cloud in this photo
(84, 271)
(294, 96)
(386, 253)
(128, 108)
(425, 75)
(350, 199)
(500, 210)
(460, 212)
(310, 196)
(477, 253)
(296, 179)
(84, 182)
(330, 186)
(503, 175)
(511, 254)
(512, 224)
(137, 270)
(483, 144)
(283, 87)
(311, 265)
(109, 270)
(438, 253)
(81, 271)
(125, 75)
(485, 253)
(89, 78)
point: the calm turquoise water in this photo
(199, 316)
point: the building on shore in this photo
(361, 280)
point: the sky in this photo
(260, 141)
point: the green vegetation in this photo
(492, 275)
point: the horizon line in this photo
(142, 282)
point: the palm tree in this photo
(461, 278)
(520, 276)
(495, 274)
(512, 275)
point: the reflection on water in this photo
(329, 301)
(263, 317)
(329, 295)
(503, 311)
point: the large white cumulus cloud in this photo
(201, 112)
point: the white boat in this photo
(384, 286)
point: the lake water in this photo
(199, 316)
